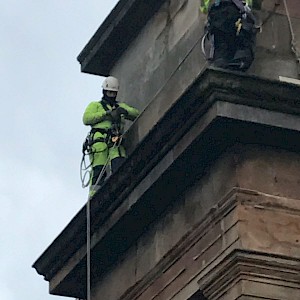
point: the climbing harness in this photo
(111, 136)
(85, 168)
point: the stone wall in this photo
(248, 200)
(156, 53)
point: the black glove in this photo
(122, 111)
(116, 113)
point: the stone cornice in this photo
(250, 265)
(115, 34)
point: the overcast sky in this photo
(43, 96)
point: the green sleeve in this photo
(204, 6)
(249, 3)
(94, 113)
(132, 112)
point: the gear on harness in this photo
(100, 171)
(113, 138)
(229, 36)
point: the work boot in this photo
(242, 60)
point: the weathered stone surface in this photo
(209, 196)
(270, 170)
(267, 263)
(246, 227)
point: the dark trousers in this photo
(115, 164)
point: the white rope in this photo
(88, 222)
(85, 172)
(88, 249)
(293, 41)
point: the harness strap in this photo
(101, 130)
(114, 130)
(110, 139)
(112, 134)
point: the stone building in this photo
(207, 205)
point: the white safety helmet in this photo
(110, 84)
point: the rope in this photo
(294, 47)
(88, 249)
(271, 14)
(88, 221)
(87, 172)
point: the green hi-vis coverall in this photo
(96, 116)
(205, 4)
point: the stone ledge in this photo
(107, 44)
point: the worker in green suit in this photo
(230, 33)
(107, 119)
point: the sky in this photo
(43, 96)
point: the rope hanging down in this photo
(85, 172)
(294, 46)
(88, 220)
